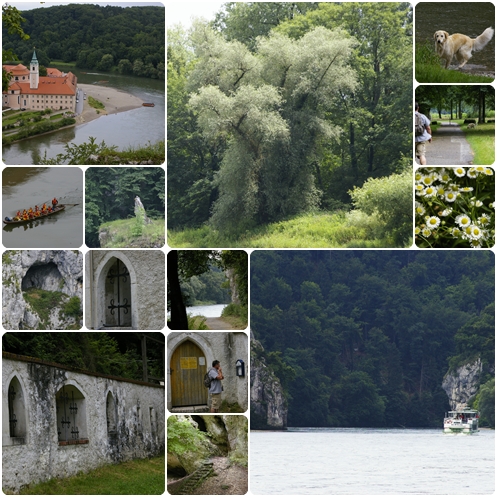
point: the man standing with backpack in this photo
(215, 388)
(422, 133)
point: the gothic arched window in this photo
(111, 414)
(71, 416)
(16, 416)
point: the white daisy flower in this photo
(420, 210)
(489, 171)
(456, 232)
(466, 189)
(483, 220)
(417, 230)
(418, 176)
(444, 177)
(446, 212)
(450, 196)
(459, 171)
(463, 220)
(426, 232)
(432, 222)
(427, 180)
(429, 191)
(472, 173)
(476, 233)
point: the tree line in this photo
(475, 101)
(117, 354)
(364, 338)
(110, 194)
(131, 39)
(279, 109)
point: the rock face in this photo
(463, 383)
(268, 408)
(235, 296)
(50, 270)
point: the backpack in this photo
(207, 379)
(419, 127)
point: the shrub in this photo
(73, 308)
(390, 198)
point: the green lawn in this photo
(138, 477)
(482, 142)
(320, 230)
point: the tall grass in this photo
(316, 230)
(429, 69)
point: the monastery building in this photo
(28, 90)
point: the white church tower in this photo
(34, 72)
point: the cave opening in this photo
(200, 423)
(43, 276)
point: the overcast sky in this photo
(182, 12)
(36, 5)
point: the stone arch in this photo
(104, 291)
(174, 342)
(14, 412)
(70, 401)
(111, 413)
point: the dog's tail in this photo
(483, 39)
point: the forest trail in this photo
(449, 147)
(228, 479)
(218, 324)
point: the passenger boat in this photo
(148, 104)
(59, 208)
(462, 421)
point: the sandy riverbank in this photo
(114, 100)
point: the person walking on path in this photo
(215, 389)
(422, 134)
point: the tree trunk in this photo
(179, 319)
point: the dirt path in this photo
(217, 324)
(449, 147)
(228, 479)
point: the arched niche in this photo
(14, 425)
(71, 415)
(111, 414)
(114, 294)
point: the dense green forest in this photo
(117, 354)
(276, 109)
(130, 40)
(207, 288)
(110, 193)
(364, 338)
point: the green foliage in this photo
(96, 37)
(378, 325)
(73, 308)
(110, 194)
(182, 436)
(96, 104)
(43, 126)
(485, 402)
(390, 199)
(280, 127)
(42, 302)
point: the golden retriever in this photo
(459, 46)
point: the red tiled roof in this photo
(18, 70)
(52, 71)
(50, 86)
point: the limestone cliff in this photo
(462, 383)
(268, 407)
(34, 275)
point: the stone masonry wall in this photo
(139, 420)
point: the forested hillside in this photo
(117, 354)
(95, 37)
(110, 193)
(279, 109)
(364, 338)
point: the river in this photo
(133, 128)
(24, 187)
(361, 461)
(208, 311)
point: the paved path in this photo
(217, 324)
(449, 147)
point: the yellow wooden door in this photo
(188, 367)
